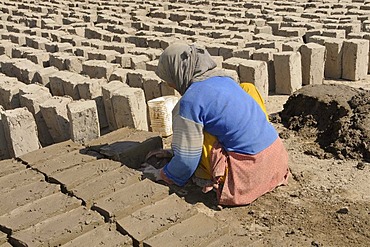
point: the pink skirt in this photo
(249, 176)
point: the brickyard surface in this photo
(62, 59)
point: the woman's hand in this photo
(159, 153)
(151, 172)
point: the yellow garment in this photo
(250, 89)
(204, 168)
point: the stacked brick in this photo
(103, 53)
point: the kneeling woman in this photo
(220, 130)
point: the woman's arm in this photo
(187, 148)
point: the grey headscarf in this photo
(181, 65)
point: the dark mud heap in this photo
(335, 120)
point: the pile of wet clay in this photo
(336, 118)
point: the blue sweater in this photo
(221, 107)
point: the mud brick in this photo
(139, 62)
(288, 72)
(124, 60)
(9, 92)
(59, 229)
(226, 51)
(245, 36)
(83, 51)
(107, 93)
(105, 235)
(154, 42)
(127, 200)
(333, 62)
(23, 195)
(291, 31)
(265, 29)
(244, 53)
(51, 47)
(74, 63)
(91, 89)
(54, 111)
(49, 152)
(159, 28)
(23, 69)
(312, 32)
(39, 57)
(64, 161)
(77, 175)
(291, 46)
(355, 59)
(18, 38)
(74, 40)
(135, 77)
(21, 52)
(18, 124)
(98, 69)
(84, 120)
(267, 55)
(93, 33)
(151, 85)
(313, 63)
(10, 166)
(37, 42)
(232, 63)
(255, 72)
(106, 184)
(71, 83)
(58, 60)
(360, 35)
(32, 213)
(33, 88)
(43, 75)
(66, 83)
(3, 240)
(197, 230)
(152, 219)
(318, 39)
(119, 47)
(18, 179)
(107, 55)
(6, 48)
(275, 26)
(338, 34)
(32, 101)
(353, 27)
(130, 108)
(151, 65)
(152, 54)
(119, 74)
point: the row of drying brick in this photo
(211, 11)
(51, 119)
(142, 209)
(210, 48)
(274, 24)
(302, 64)
(351, 63)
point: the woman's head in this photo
(181, 64)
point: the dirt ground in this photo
(327, 201)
